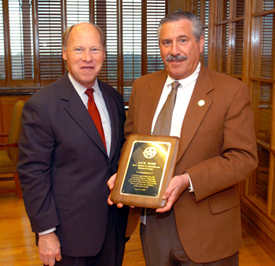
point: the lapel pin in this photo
(201, 103)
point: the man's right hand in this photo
(49, 249)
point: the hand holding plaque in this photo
(146, 166)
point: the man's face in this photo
(84, 54)
(179, 49)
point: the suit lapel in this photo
(113, 114)
(149, 100)
(196, 111)
(77, 110)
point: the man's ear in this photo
(64, 54)
(201, 43)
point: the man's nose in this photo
(87, 56)
(175, 49)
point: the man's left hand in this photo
(175, 187)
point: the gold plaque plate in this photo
(146, 166)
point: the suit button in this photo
(106, 195)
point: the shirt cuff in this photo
(191, 189)
(47, 231)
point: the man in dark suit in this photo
(64, 163)
(200, 223)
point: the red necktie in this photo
(95, 114)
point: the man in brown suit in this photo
(200, 224)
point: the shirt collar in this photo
(81, 89)
(186, 81)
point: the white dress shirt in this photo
(101, 106)
(184, 94)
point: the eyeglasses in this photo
(80, 51)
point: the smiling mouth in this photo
(87, 67)
(176, 61)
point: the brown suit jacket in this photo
(217, 149)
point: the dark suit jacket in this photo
(64, 169)
(217, 149)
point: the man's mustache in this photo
(175, 58)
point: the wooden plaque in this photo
(146, 166)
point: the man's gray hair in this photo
(178, 15)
